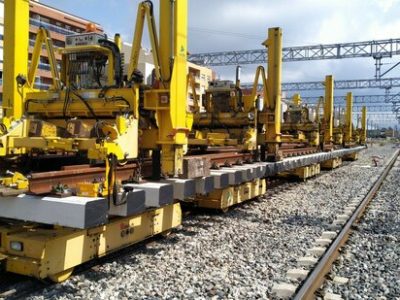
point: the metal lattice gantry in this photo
(359, 99)
(382, 83)
(374, 103)
(375, 49)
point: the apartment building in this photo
(59, 23)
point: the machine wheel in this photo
(62, 276)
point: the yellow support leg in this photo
(351, 157)
(222, 199)
(303, 173)
(332, 163)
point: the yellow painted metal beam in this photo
(166, 37)
(273, 100)
(145, 11)
(348, 133)
(175, 123)
(328, 110)
(43, 37)
(363, 136)
(16, 43)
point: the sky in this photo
(219, 25)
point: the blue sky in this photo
(217, 25)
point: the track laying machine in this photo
(299, 127)
(229, 117)
(91, 115)
(100, 160)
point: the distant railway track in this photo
(316, 277)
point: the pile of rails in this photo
(101, 160)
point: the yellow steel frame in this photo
(328, 112)
(16, 43)
(348, 129)
(43, 37)
(145, 11)
(53, 253)
(272, 105)
(363, 135)
(175, 122)
(259, 72)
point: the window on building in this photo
(44, 60)
(34, 16)
(58, 43)
(44, 19)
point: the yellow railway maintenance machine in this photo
(234, 119)
(299, 124)
(229, 117)
(90, 111)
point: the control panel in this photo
(84, 39)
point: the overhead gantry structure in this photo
(374, 49)
(384, 83)
(377, 49)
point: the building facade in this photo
(59, 24)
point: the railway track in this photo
(27, 286)
(316, 277)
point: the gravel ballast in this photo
(236, 255)
(371, 258)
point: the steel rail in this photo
(43, 182)
(317, 276)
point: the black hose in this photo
(90, 109)
(118, 75)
